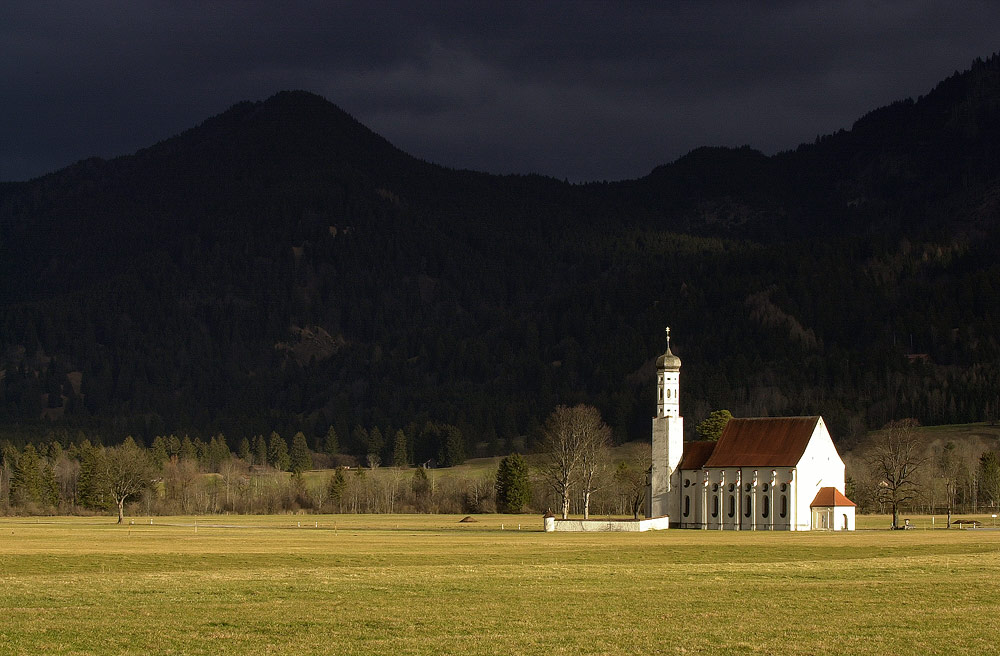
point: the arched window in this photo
(715, 506)
(687, 505)
(784, 506)
(686, 482)
(668, 394)
(748, 508)
(732, 505)
(765, 507)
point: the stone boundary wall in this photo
(606, 525)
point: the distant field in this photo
(426, 584)
(981, 435)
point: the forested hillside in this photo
(282, 268)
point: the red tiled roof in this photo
(763, 442)
(829, 497)
(696, 453)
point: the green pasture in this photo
(427, 584)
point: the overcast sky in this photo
(585, 91)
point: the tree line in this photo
(898, 469)
(181, 475)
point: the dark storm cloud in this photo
(578, 90)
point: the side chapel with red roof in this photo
(765, 473)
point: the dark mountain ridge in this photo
(280, 266)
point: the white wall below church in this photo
(552, 524)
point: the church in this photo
(763, 474)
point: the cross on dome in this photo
(668, 360)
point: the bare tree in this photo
(632, 478)
(865, 482)
(949, 465)
(232, 470)
(67, 472)
(124, 472)
(594, 458)
(566, 434)
(894, 459)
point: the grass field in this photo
(426, 584)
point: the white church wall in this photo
(665, 478)
(845, 519)
(835, 518)
(773, 502)
(730, 515)
(690, 497)
(784, 508)
(716, 502)
(820, 466)
(766, 506)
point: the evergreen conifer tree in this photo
(173, 447)
(336, 488)
(217, 452)
(50, 488)
(88, 488)
(26, 477)
(359, 437)
(989, 478)
(244, 451)
(159, 451)
(277, 452)
(513, 489)
(331, 443)
(712, 427)
(400, 456)
(421, 486)
(188, 450)
(375, 442)
(259, 450)
(452, 450)
(301, 458)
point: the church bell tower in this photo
(668, 438)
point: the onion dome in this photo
(668, 360)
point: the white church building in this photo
(770, 473)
